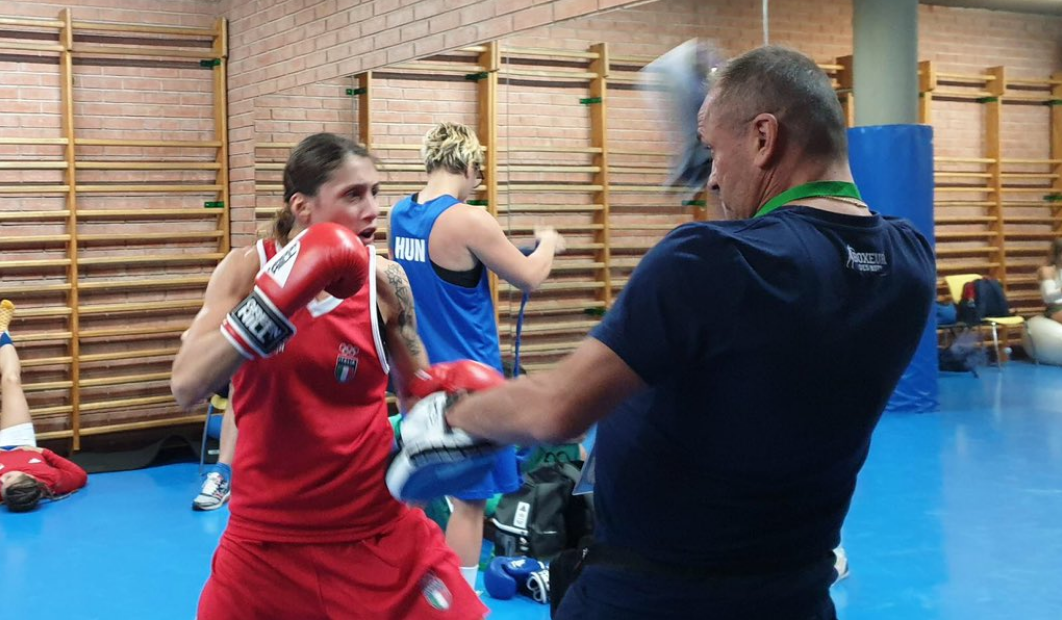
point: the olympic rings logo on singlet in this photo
(346, 362)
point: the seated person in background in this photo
(1050, 276)
(27, 472)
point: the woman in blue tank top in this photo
(446, 247)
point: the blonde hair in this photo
(452, 147)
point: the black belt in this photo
(625, 559)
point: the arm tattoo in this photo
(406, 317)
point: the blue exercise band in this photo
(516, 338)
(520, 320)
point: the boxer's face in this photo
(348, 198)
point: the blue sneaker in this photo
(214, 494)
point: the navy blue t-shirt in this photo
(770, 347)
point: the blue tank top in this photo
(454, 322)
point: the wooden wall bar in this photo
(108, 236)
(996, 214)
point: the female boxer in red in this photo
(307, 324)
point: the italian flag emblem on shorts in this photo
(435, 592)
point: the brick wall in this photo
(114, 98)
(285, 118)
(190, 13)
(957, 40)
(276, 45)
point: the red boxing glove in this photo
(451, 377)
(324, 257)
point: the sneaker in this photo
(840, 565)
(214, 494)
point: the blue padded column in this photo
(893, 167)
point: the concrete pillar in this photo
(886, 61)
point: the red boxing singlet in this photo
(314, 439)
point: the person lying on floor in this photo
(27, 473)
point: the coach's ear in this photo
(765, 140)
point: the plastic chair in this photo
(955, 285)
(219, 402)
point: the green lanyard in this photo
(816, 189)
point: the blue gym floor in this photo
(957, 516)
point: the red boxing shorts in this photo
(404, 574)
